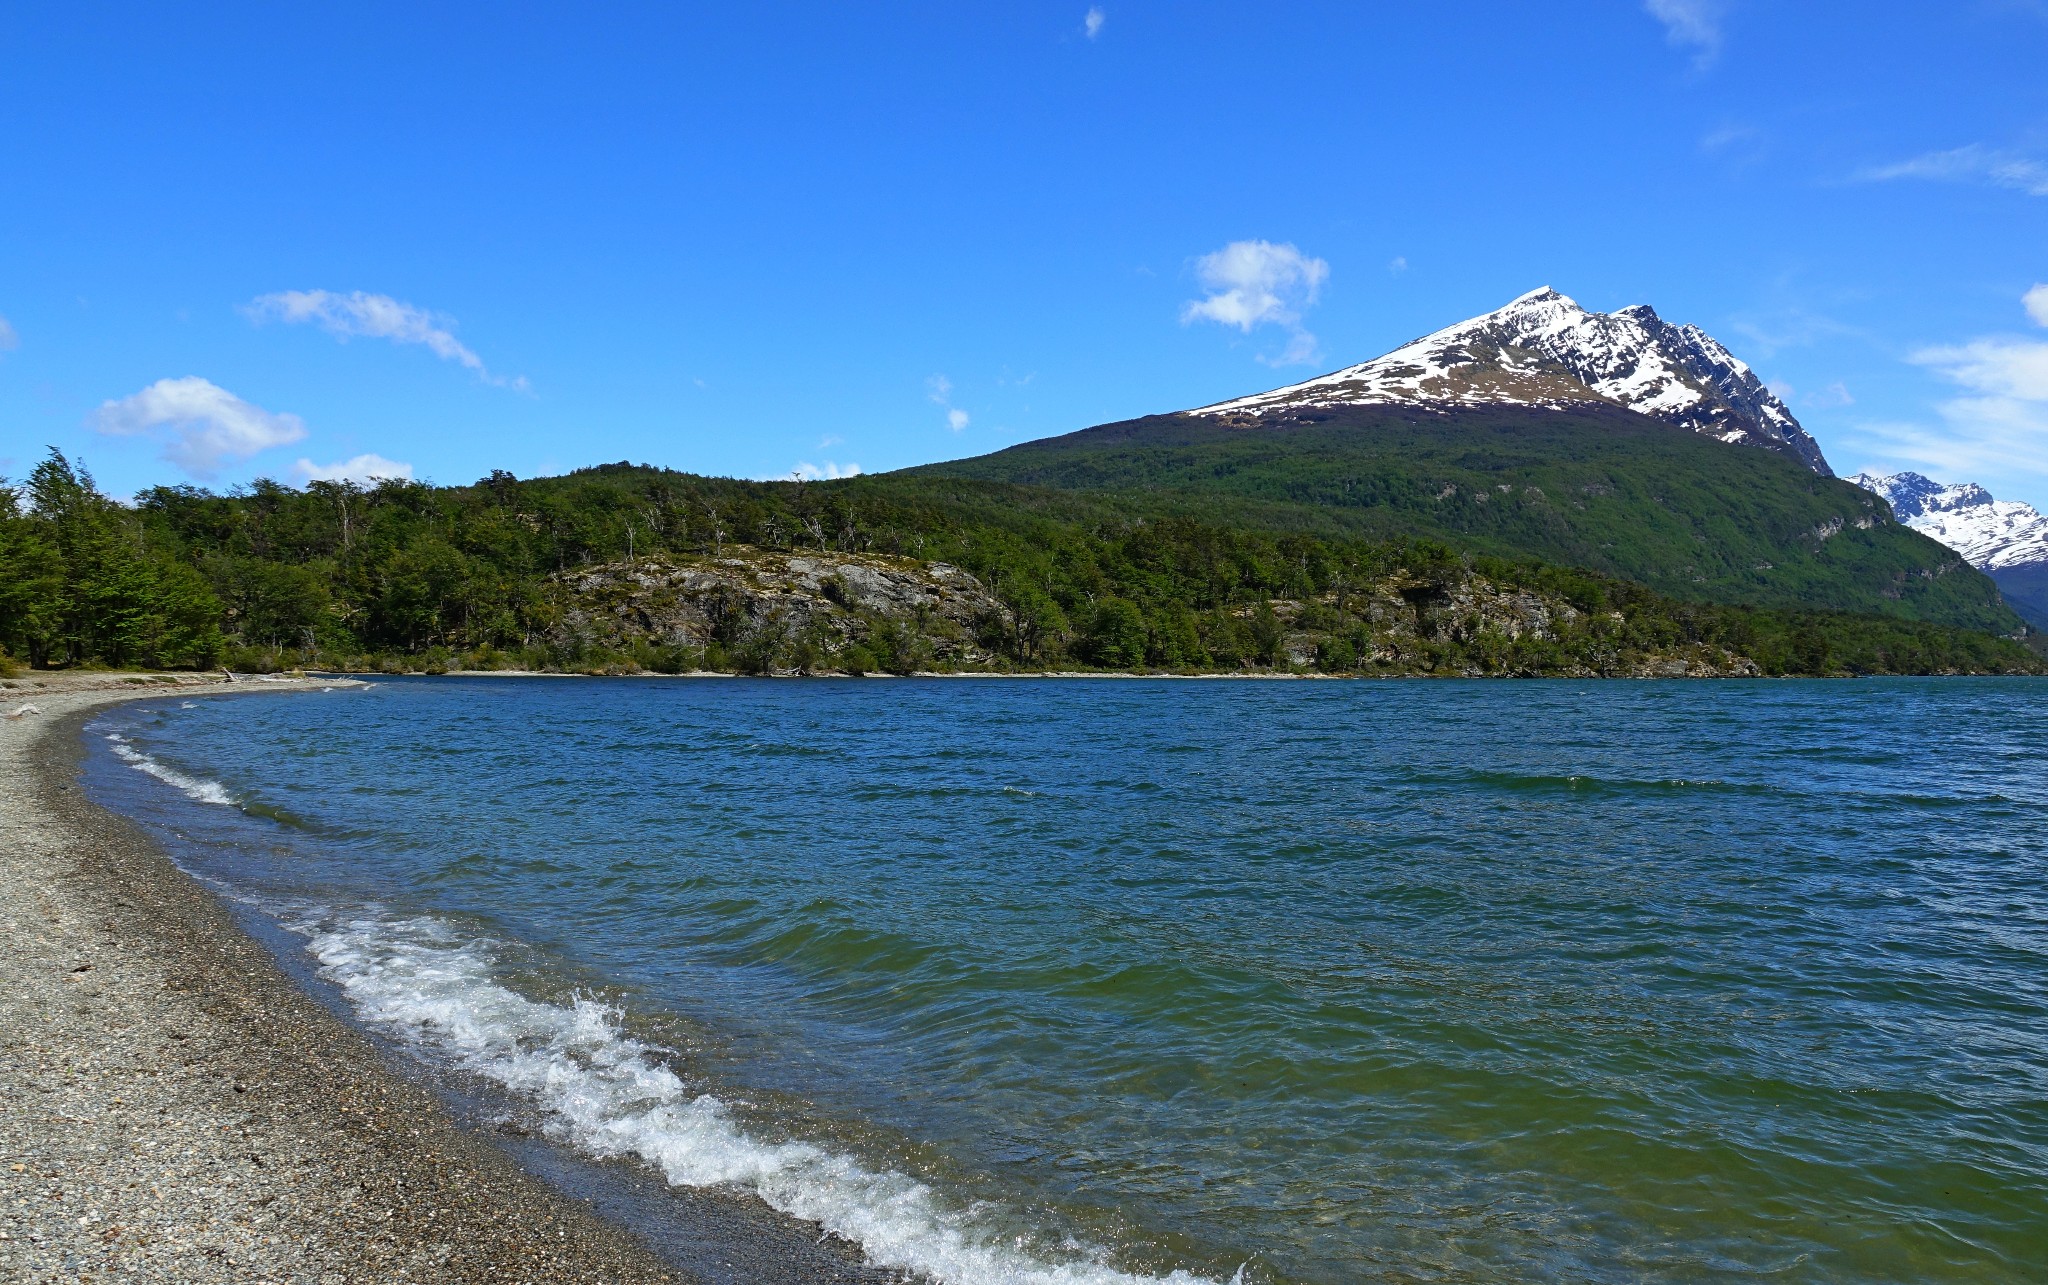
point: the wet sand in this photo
(173, 1108)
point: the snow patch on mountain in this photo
(1543, 349)
(1992, 535)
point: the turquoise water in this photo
(1093, 981)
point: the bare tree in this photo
(717, 528)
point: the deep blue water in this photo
(1085, 980)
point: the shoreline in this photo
(1255, 676)
(180, 1110)
(1121, 675)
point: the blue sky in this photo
(272, 240)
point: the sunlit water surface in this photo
(1102, 981)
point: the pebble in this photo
(177, 1112)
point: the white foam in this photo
(607, 1093)
(196, 788)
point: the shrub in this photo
(252, 660)
(1116, 635)
(668, 659)
(1266, 633)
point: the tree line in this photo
(392, 574)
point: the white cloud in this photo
(1690, 22)
(1092, 23)
(376, 316)
(1979, 444)
(2036, 301)
(1258, 283)
(1398, 264)
(1994, 367)
(366, 469)
(1975, 163)
(1727, 136)
(1787, 328)
(1255, 282)
(1301, 349)
(2000, 422)
(9, 340)
(207, 424)
(1835, 394)
(805, 471)
(940, 390)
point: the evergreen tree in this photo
(84, 585)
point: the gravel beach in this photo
(173, 1108)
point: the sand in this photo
(173, 1108)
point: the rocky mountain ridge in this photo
(1543, 349)
(2005, 539)
(1991, 534)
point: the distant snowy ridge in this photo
(1992, 535)
(1545, 350)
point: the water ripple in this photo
(1434, 981)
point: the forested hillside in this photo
(576, 572)
(1600, 488)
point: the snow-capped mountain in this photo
(1992, 535)
(1545, 350)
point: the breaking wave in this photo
(196, 788)
(610, 1095)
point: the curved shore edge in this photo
(178, 1110)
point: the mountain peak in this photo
(1907, 493)
(1992, 535)
(1543, 349)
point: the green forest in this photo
(1602, 489)
(404, 576)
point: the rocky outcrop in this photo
(762, 611)
(790, 605)
(1437, 624)
(1464, 611)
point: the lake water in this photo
(1078, 982)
